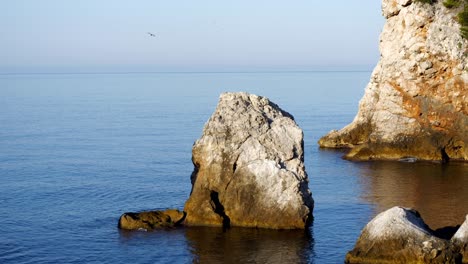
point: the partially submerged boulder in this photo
(151, 219)
(460, 240)
(249, 168)
(399, 235)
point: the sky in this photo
(111, 35)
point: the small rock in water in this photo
(151, 220)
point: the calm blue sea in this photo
(78, 150)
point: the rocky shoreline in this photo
(249, 172)
(249, 162)
(416, 103)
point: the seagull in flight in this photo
(151, 34)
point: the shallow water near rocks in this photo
(78, 150)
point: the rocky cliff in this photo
(249, 168)
(416, 103)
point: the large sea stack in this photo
(249, 168)
(416, 103)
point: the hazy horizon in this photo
(103, 36)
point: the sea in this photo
(78, 150)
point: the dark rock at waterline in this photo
(151, 220)
(399, 235)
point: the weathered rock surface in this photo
(460, 240)
(151, 219)
(249, 168)
(399, 235)
(416, 103)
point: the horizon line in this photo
(179, 72)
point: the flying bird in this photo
(151, 34)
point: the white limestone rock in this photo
(249, 168)
(398, 222)
(392, 7)
(462, 234)
(399, 235)
(416, 103)
(460, 240)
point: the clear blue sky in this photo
(105, 35)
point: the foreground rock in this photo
(399, 235)
(151, 220)
(460, 240)
(416, 103)
(249, 168)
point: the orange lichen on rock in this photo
(416, 101)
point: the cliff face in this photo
(416, 103)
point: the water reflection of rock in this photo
(248, 245)
(438, 191)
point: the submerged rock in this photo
(249, 168)
(151, 219)
(400, 235)
(460, 240)
(416, 103)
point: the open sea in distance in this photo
(78, 150)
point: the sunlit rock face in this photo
(249, 168)
(460, 240)
(416, 103)
(399, 235)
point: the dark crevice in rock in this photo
(230, 180)
(282, 165)
(218, 208)
(234, 169)
(407, 4)
(243, 142)
(193, 176)
(396, 13)
(444, 155)
(234, 164)
(268, 120)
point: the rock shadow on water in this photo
(221, 245)
(250, 245)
